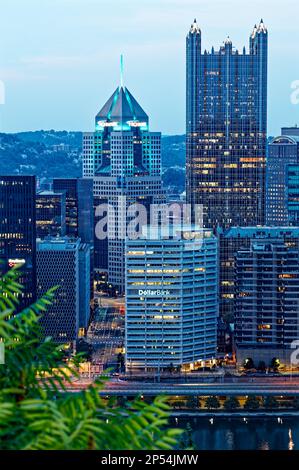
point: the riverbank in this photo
(234, 414)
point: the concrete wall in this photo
(263, 354)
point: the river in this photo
(242, 433)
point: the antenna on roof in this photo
(121, 70)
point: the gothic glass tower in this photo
(226, 129)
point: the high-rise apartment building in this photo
(124, 160)
(266, 305)
(18, 231)
(226, 129)
(50, 214)
(64, 262)
(171, 300)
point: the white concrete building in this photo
(171, 301)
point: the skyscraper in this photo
(171, 300)
(266, 306)
(235, 239)
(64, 262)
(292, 196)
(79, 214)
(283, 151)
(124, 160)
(50, 214)
(18, 231)
(226, 129)
(79, 206)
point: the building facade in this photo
(79, 206)
(18, 232)
(266, 304)
(64, 262)
(292, 196)
(50, 214)
(124, 160)
(226, 132)
(282, 152)
(226, 129)
(171, 301)
(235, 239)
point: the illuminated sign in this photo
(153, 293)
(16, 261)
(107, 124)
(136, 124)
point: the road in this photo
(276, 386)
(106, 335)
(258, 387)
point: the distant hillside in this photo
(58, 153)
(51, 137)
(173, 151)
(34, 153)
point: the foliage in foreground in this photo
(35, 413)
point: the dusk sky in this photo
(59, 59)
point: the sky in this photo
(59, 59)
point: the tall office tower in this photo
(171, 300)
(292, 195)
(226, 129)
(236, 238)
(291, 131)
(266, 307)
(50, 214)
(84, 288)
(64, 262)
(79, 214)
(124, 160)
(282, 152)
(18, 231)
(79, 206)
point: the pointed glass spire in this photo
(228, 41)
(121, 71)
(122, 109)
(194, 28)
(254, 32)
(261, 27)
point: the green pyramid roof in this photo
(122, 107)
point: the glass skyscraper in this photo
(124, 159)
(50, 214)
(18, 232)
(266, 307)
(283, 153)
(64, 262)
(79, 206)
(226, 129)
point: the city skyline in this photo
(149, 283)
(65, 71)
